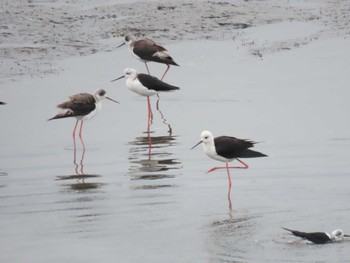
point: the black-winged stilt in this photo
(147, 50)
(145, 85)
(226, 149)
(320, 237)
(82, 106)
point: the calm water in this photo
(122, 201)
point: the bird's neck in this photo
(209, 149)
(131, 46)
(98, 105)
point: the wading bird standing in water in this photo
(147, 50)
(145, 85)
(227, 149)
(82, 106)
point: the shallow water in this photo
(119, 200)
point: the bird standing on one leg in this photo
(227, 149)
(82, 106)
(147, 50)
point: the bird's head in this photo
(338, 235)
(206, 137)
(100, 94)
(129, 73)
(128, 40)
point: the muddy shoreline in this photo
(36, 34)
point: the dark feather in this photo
(314, 237)
(231, 147)
(78, 105)
(146, 50)
(154, 83)
(65, 114)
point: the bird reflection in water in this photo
(79, 175)
(162, 116)
(226, 236)
(150, 159)
(80, 198)
(80, 164)
(150, 121)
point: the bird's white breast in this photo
(136, 86)
(93, 113)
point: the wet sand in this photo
(115, 201)
(36, 34)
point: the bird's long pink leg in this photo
(150, 115)
(229, 198)
(229, 186)
(168, 66)
(149, 108)
(75, 159)
(75, 127)
(228, 175)
(245, 166)
(80, 133)
(147, 68)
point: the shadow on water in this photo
(3, 174)
(79, 177)
(226, 235)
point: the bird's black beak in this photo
(196, 145)
(122, 44)
(117, 78)
(346, 235)
(108, 98)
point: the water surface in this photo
(121, 201)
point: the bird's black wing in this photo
(79, 104)
(154, 83)
(231, 147)
(148, 46)
(314, 237)
(149, 50)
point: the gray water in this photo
(120, 202)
